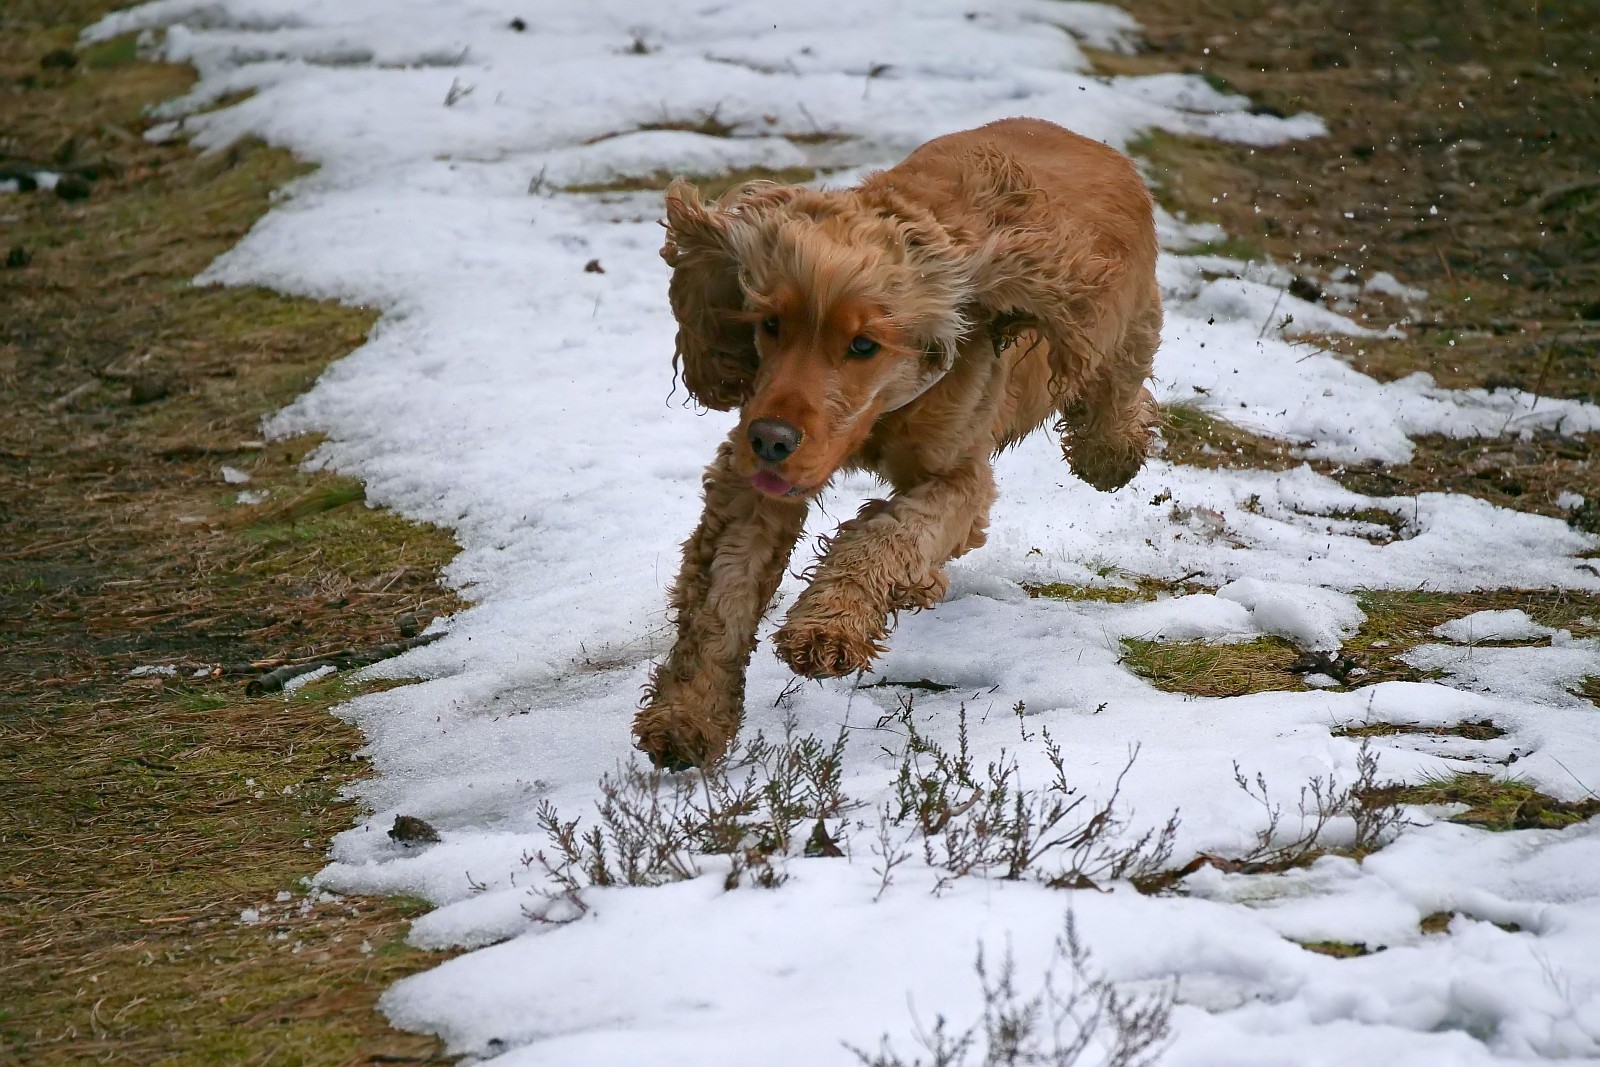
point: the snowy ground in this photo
(522, 401)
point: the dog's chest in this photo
(940, 428)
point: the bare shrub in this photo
(1372, 810)
(652, 827)
(989, 824)
(1055, 1027)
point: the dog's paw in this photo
(922, 594)
(1107, 463)
(676, 740)
(826, 651)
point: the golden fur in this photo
(995, 280)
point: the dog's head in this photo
(813, 315)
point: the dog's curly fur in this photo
(914, 326)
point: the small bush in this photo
(989, 824)
(1054, 1027)
(653, 827)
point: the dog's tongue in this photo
(769, 483)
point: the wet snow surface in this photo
(523, 402)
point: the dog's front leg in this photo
(888, 558)
(731, 567)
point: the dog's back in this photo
(1034, 173)
(1083, 204)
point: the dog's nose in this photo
(773, 439)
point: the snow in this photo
(307, 678)
(153, 671)
(1512, 624)
(523, 402)
(1315, 619)
(1386, 284)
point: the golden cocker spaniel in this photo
(913, 326)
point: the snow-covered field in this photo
(523, 401)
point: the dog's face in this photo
(812, 318)
(830, 364)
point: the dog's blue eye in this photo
(864, 348)
(770, 324)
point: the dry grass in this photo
(1484, 111)
(141, 815)
(1211, 670)
(1496, 803)
(1480, 730)
(1397, 621)
(1195, 438)
(710, 185)
(1339, 950)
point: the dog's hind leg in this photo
(1105, 429)
(731, 567)
(888, 558)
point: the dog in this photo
(913, 326)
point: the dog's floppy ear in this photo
(716, 351)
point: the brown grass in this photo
(1195, 438)
(1495, 803)
(1481, 730)
(1397, 621)
(710, 185)
(141, 816)
(1211, 670)
(1486, 111)
(1339, 950)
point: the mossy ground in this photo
(140, 816)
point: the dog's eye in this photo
(863, 348)
(770, 325)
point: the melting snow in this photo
(523, 402)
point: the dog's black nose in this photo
(773, 439)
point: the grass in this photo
(1509, 259)
(142, 816)
(1397, 621)
(1496, 803)
(1481, 730)
(1339, 950)
(711, 186)
(1195, 438)
(1203, 669)
(1143, 588)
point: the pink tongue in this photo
(768, 482)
